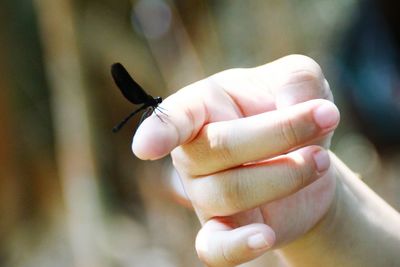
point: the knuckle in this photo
(304, 76)
(218, 141)
(216, 261)
(305, 70)
(296, 176)
(289, 132)
(230, 258)
(217, 196)
(229, 73)
(231, 196)
(184, 161)
(301, 62)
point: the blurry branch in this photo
(74, 152)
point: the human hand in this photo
(248, 145)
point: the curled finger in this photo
(219, 245)
(238, 189)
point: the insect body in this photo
(135, 94)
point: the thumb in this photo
(219, 245)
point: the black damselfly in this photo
(132, 91)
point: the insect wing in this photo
(129, 88)
(146, 114)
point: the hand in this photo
(250, 147)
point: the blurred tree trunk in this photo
(9, 189)
(74, 152)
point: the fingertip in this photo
(154, 139)
(316, 158)
(326, 115)
(322, 160)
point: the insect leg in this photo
(160, 109)
(122, 123)
(146, 114)
(159, 117)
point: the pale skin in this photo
(251, 147)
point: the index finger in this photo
(187, 111)
(229, 95)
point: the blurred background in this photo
(72, 193)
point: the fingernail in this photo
(257, 242)
(326, 115)
(322, 161)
